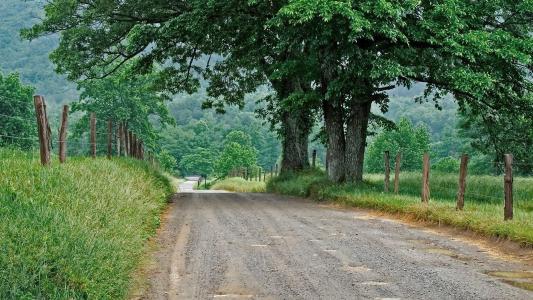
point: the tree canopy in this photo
(17, 115)
(330, 60)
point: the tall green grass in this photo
(479, 188)
(237, 184)
(481, 214)
(75, 231)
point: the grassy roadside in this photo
(239, 185)
(482, 214)
(75, 231)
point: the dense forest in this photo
(430, 123)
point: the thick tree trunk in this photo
(295, 130)
(356, 133)
(296, 126)
(333, 119)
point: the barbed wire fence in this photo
(505, 188)
(42, 146)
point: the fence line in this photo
(460, 189)
(46, 139)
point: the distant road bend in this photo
(262, 246)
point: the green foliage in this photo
(167, 162)
(17, 115)
(338, 53)
(126, 98)
(205, 129)
(481, 216)
(497, 134)
(411, 141)
(78, 230)
(199, 162)
(238, 137)
(236, 156)
(447, 164)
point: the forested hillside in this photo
(30, 59)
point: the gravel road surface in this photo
(262, 246)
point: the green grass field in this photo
(75, 231)
(483, 212)
(237, 184)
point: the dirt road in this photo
(261, 246)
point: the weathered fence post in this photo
(314, 158)
(271, 172)
(508, 186)
(109, 138)
(259, 172)
(276, 169)
(42, 127)
(264, 175)
(462, 182)
(63, 135)
(387, 171)
(397, 173)
(425, 179)
(93, 135)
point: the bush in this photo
(411, 141)
(447, 164)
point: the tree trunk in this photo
(295, 135)
(333, 119)
(356, 133)
(295, 129)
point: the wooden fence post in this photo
(264, 175)
(508, 186)
(63, 135)
(109, 138)
(387, 170)
(42, 127)
(397, 173)
(48, 129)
(425, 179)
(276, 169)
(314, 158)
(93, 135)
(462, 182)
